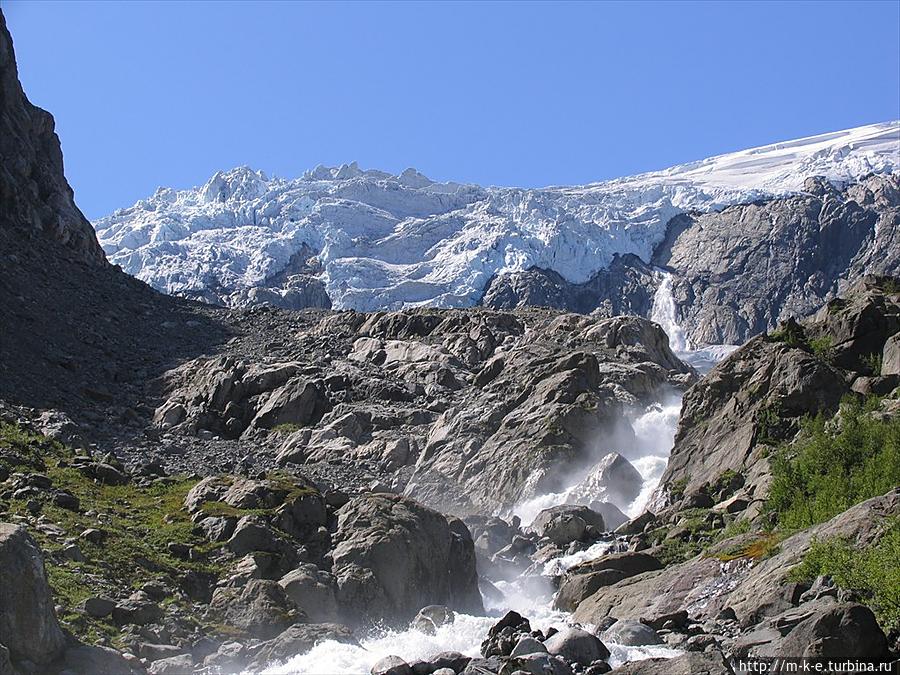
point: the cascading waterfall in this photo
(654, 433)
(664, 312)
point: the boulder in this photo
(394, 556)
(261, 608)
(691, 663)
(313, 591)
(632, 634)
(564, 524)
(576, 646)
(28, 626)
(172, 665)
(298, 639)
(583, 580)
(98, 660)
(613, 479)
(432, 617)
(391, 665)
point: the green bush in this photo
(825, 472)
(873, 572)
(821, 346)
(872, 363)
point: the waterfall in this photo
(663, 312)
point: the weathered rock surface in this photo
(393, 556)
(28, 626)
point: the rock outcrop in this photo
(394, 556)
(28, 627)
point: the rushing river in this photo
(654, 433)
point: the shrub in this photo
(821, 346)
(872, 363)
(826, 471)
(873, 573)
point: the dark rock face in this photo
(625, 288)
(394, 556)
(739, 271)
(35, 198)
(28, 626)
(742, 270)
(755, 397)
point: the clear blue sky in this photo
(149, 94)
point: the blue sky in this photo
(149, 94)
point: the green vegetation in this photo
(763, 545)
(791, 333)
(873, 572)
(138, 522)
(286, 428)
(821, 346)
(677, 488)
(826, 471)
(872, 363)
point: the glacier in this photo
(373, 241)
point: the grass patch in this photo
(138, 523)
(286, 428)
(826, 472)
(821, 346)
(873, 573)
(872, 363)
(763, 546)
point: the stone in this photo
(394, 556)
(298, 639)
(391, 665)
(136, 610)
(155, 652)
(93, 535)
(313, 591)
(253, 533)
(528, 645)
(28, 626)
(99, 607)
(66, 500)
(99, 660)
(576, 646)
(261, 608)
(691, 663)
(585, 579)
(172, 665)
(632, 634)
(432, 617)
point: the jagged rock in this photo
(565, 524)
(393, 556)
(137, 609)
(536, 664)
(261, 608)
(28, 626)
(612, 479)
(753, 592)
(313, 591)
(583, 580)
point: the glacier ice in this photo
(382, 241)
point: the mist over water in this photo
(646, 442)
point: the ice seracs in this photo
(383, 241)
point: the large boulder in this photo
(613, 479)
(583, 580)
(261, 608)
(298, 639)
(394, 556)
(313, 591)
(28, 625)
(692, 663)
(567, 523)
(576, 646)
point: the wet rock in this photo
(528, 645)
(632, 634)
(391, 665)
(576, 646)
(432, 617)
(536, 664)
(565, 524)
(298, 639)
(613, 479)
(28, 626)
(582, 581)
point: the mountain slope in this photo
(368, 240)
